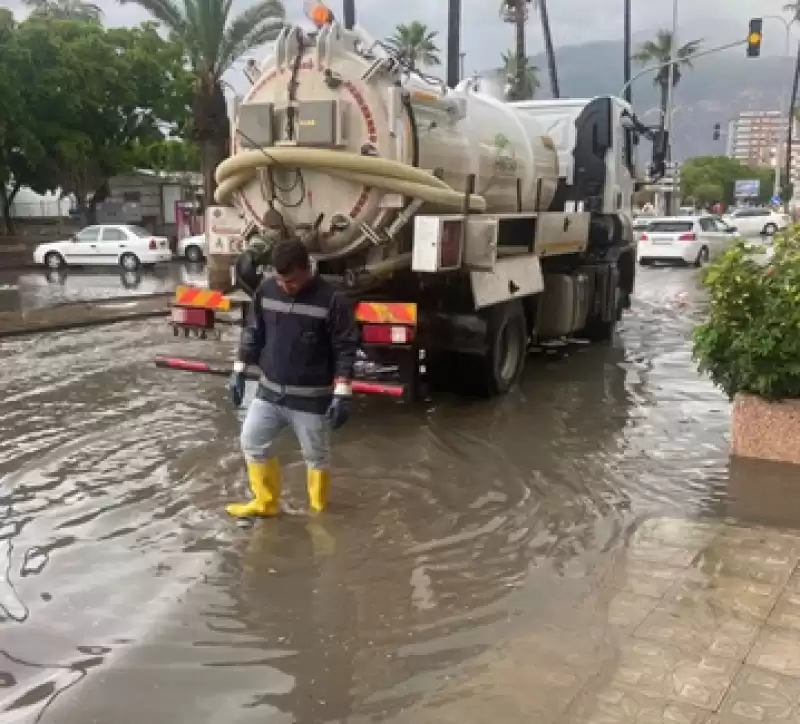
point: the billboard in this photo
(746, 188)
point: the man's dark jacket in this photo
(300, 343)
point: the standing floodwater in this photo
(468, 547)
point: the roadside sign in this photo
(747, 188)
(776, 200)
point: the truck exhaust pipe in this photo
(453, 42)
(349, 14)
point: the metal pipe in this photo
(453, 42)
(626, 66)
(656, 68)
(776, 186)
(792, 101)
(349, 13)
(667, 120)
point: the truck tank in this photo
(341, 142)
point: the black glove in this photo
(339, 411)
(236, 388)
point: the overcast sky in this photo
(572, 21)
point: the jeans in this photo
(265, 421)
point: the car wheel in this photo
(194, 254)
(129, 262)
(702, 257)
(645, 262)
(54, 260)
(770, 230)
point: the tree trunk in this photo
(7, 199)
(549, 49)
(520, 51)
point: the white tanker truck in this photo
(466, 228)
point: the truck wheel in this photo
(507, 345)
(599, 330)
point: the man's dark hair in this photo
(290, 255)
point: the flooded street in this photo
(40, 288)
(468, 570)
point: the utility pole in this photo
(349, 14)
(626, 66)
(792, 103)
(453, 42)
(666, 122)
(549, 49)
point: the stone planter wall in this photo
(766, 430)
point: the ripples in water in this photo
(468, 548)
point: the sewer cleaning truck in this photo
(466, 229)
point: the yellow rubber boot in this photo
(317, 489)
(265, 482)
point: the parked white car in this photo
(113, 244)
(193, 248)
(684, 239)
(751, 222)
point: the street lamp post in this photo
(667, 121)
(776, 189)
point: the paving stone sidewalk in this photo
(709, 623)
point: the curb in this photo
(64, 326)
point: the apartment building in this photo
(757, 137)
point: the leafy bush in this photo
(751, 339)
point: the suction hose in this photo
(380, 173)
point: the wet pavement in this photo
(22, 291)
(529, 559)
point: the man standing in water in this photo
(302, 334)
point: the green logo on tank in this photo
(505, 162)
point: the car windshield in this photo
(670, 227)
(139, 231)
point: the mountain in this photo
(715, 91)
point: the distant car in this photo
(754, 221)
(193, 248)
(684, 239)
(106, 244)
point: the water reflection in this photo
(50, 287)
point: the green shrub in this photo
(751, 339)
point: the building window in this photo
(132, 197)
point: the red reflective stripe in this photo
(377, 388)
(183, 364)
(188, 295)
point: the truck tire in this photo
(500, 368)
(599, 330)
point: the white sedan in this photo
(684, 239)
(754, 222)
(106, 244)
(193, 248)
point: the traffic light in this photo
(754, 38)
(715, 134)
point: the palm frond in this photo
(167, 12)
(253, 27)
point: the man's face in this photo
(292, 282)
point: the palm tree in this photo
(213, 41)
(659, 52)
(415, 44)
(526, 76)
(65, 9)
(516, 12)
